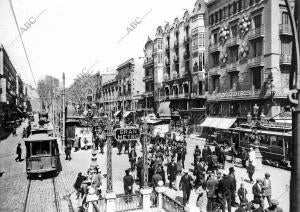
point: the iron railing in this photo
(170, 204)
(99, 205)
(129, 202)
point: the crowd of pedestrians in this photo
(216, 188)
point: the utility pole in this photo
(145, 154)
(294, 97)
(63, 112)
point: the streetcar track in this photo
(26, 198)
(29, 196)
(56, 196)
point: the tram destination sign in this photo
(127, 134)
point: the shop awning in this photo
(127, 113)
(219, 123)
(117, 113)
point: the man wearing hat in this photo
(242, 207)
(172, 172)
(226, 190)
(274, 206)
(212, 184)
(232, 177)
(186, 185)
(156, 178)
(250, 171)
(267, 187)
(257, 190)
(128, 183)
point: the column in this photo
(146, 194)
(64, 113)
(160, 190)
(110, 195)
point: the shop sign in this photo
(127, 134)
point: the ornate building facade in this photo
(249, 57)
(179, 61)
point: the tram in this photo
(42, 155)
(274, 146)
(42, 129)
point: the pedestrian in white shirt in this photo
(252, 156)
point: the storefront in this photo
(218, 129)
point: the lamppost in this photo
(145, 134)
(253, 126)
(63, 112)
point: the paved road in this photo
(13, 182)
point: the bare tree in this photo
(46, 89)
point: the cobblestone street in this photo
(14, 182)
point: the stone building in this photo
(148, 101)
(129, 78)
(108, 99)
(8, 88)
(249, 46)
(179, 56)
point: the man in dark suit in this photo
(257, 190)
(19, 153)
(172, 172)
(186, 185)
(128, 184)
(244, 157)
(232, 176)
(132, 158)
(226, 190)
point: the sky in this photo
(75, 35)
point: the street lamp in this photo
(145, 128)
(258, 156)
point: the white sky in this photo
(71, 35)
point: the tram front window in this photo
(42, 148)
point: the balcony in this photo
(232, 67)
(148, 78)
(174, 96)
(285, 59)
(148, 62)
(184, 95)
(257, 32)
(214, 71)
(166, 77)
(214, 48)
(285, 29)
(174, 75)
(256, 62)
(232, 42)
